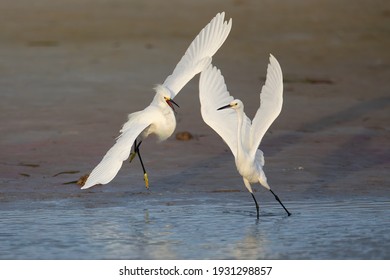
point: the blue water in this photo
(203, 226)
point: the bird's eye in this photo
(235, 104)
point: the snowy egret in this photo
(241, 135)
(158, 118)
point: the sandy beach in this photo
(71, 71)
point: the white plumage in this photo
(241, 135)
(158, 118)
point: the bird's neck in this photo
(240, 146)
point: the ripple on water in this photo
(188, 229)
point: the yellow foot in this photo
(146, 181)
(132, 156)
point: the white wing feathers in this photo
(109, 166)
(199, 53)
(213, 94)
(271, 101)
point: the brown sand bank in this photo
(70, 72)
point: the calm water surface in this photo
(212, 226)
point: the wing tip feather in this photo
(274, 65)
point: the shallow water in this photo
(212, 226)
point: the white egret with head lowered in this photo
(159, 118)
(241, 135)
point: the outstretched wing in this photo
(199, 53)
(271, 100)
(213, 94)
(109, 166)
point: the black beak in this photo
(224, 107)
(170, 102)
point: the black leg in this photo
(137, 146)
(277, 198)
(139, 156)
(133, 154)
(142, 164)
(257, 205)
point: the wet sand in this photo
(71, 72)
